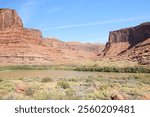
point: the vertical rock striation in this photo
(127, 38)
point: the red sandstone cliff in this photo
(128, 43)
(9, 19)
(19, 45)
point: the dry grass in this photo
(133, 86)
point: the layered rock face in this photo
(19, 45)
(12, 30)
(16, 35)
(139, 53)
(88, 47)
(9, 19)
(132, 35)
(128, 38)
(126, 42)
(71, 51)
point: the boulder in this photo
(117, 97)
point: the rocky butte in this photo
(9, 19)
(19, 45)
(130, 43)
(11, 28)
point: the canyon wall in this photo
(19, 45)
(130, 44)
(12, 30)
(124, 39)
(16, 35)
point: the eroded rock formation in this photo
(19, 45)
(133, 35)
(9, 19)
(129, 40)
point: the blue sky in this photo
(80, 20)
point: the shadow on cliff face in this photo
(124, 39)
(138, 34)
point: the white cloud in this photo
(98, 23)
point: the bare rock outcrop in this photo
(126, 42)
(18, 45)
(72, 51)
(9, 19)
(116, 95)
(12, 30)
(139, 53)
(133, 35)
(16, 35)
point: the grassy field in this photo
(94, 66)
(113, 66)
(91, 87)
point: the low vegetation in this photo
(37, 67)
(63, 84)
(46, 79)
(105, 79)
(136, 69)
(91, 87)
(97, 66)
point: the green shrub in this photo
(41, 95)
(134, 69)
(46, 79)
(70, 92)
(1, 80)
(71, 95)
(8, 86)
(89, 80)
(63, 84)
(99, 95)
(73, 80)
(29, 91)
(14, 96)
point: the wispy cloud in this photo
(98, 23)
